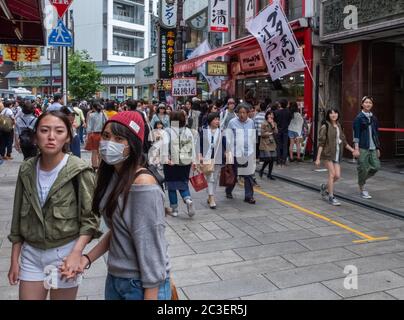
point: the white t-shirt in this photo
(8, 113)
(46, 179)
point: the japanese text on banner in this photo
(279, 47)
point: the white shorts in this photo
(33, 263)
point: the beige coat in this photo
(268, 133)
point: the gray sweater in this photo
(138, 247)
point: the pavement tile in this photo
(228, 289)
(192, 276)
(374, 263)
(367, 283)
(285, 236)
(270, 250)
(217, 245)
(328, 241)
(329, 231)
(373, 248)
(204, 259)
(397, 293)
(373, 296)
(319, 256)
(251, 267)
(314, 291)
(305, 275)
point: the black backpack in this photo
(27, 135)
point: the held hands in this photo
(72, 265)
(356, 153)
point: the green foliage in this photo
(84, 80)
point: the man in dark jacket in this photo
(366, 139)
(282, 119)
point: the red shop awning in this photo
(21, 22)
(230, 48)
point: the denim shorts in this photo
(131, 289)
(293, 134)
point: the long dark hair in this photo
(327, 116)
(126, 175)
(62, 116)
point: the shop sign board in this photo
(217, 68)
(166, 53)
(252, 60)
(184, 87)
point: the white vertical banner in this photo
(168, 16)
(219, 15)
(214, 82)
(249, 11)
(278, 44)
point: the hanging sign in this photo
(219, 16)
(275, 37)
(168, 16)
(166, 53)
(249, 11)
(184, 87)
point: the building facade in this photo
(115, 30)
(366, 58)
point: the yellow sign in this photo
(217, 68)
(21, 53)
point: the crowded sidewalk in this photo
(266, 251)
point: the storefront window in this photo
(112, 93)
(129, 92)
(294, 9)
(290, 87)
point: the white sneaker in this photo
(365, 195)
(190, 207)
(334, 201)
(172, 212)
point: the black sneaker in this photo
(229, 196)
(271, 178)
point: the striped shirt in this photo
(258, 120)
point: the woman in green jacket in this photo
(331, 144)
(52, 216)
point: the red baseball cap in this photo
(132, 120)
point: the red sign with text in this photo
(61, 6)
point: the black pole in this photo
(316, 112)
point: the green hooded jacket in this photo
(63, 217)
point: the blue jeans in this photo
(75, 146)
(172, 196)
(132, 289)
(81, 134)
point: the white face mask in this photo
(112, 152)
